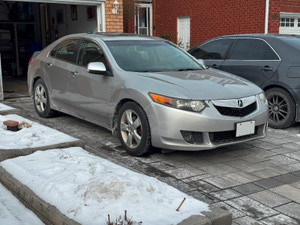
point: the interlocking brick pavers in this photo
(292, 209)
(269, 198)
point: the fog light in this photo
(188, 136)
(192, 137)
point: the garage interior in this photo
(26, 27)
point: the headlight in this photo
(190, 105)
(262, 97)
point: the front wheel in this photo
(133, 129)
(282, 109)
(41, 99)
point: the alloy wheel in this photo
(131, 128)
(40, 98)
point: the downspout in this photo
(267, 17)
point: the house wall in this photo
(114, 23)
(208, 18)
(277, 6)
(128, 16)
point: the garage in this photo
(30, 25)
(289, 23)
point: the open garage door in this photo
(30, 25)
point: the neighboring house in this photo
(30, 25)
(189, 22)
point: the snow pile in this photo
(14, 212)
(87, 188)
(34, 136)
(5, 107)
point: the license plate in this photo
(245, 128)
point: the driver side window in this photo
(91, 52)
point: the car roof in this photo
(112, 36)
(259, 35)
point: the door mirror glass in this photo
(97, 68)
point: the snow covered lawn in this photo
(34, 136)
(13, 212)
(87, 188)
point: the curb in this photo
(11, 153)
(48, 213)
(10, 111)
(216, 216)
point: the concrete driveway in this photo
(259, 181)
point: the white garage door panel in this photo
(289, 23)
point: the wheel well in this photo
(118, 107)
(277, 86)
(34, 81)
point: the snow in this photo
(13, 212)
(34, 136)
(5, 107)
(87, 188)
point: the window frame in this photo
(217, 39)
(60, 44)
(253, 60)
(108, 66)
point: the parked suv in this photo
(269, 60)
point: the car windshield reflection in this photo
(151, 56)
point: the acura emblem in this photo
(240, 103)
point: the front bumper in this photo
(210, 128)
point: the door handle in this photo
(266, 68)
(215, 66)
(50, 64)
(75, 74)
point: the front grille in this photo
(228, 136)
(237, 112)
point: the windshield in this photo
(151, 56)
(293, 41)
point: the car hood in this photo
(207, 84)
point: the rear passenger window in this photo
(213, 50)
(252, 49)
(66, 51)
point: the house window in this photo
(287, 22)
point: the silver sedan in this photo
(147, 91)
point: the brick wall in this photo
(114, 23)
(277, 6)
(209, 18)
(128, 16)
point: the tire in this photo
(282, 109)
(41, 99)
(133, 129)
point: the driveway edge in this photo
(11, 153)
(216, 216)
(48, 213)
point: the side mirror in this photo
(201, 61)
(97, 68)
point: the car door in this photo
(213, 52)
(57, 68)
(91, 93)
(253, 59)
